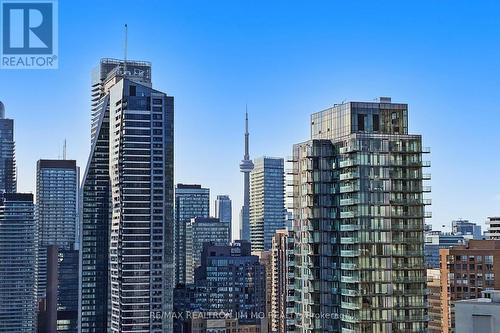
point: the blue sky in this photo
(285, 59)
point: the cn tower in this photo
(246, 166)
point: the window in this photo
(361, 122)
(376, 122)
(132, 90)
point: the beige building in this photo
(434, 299)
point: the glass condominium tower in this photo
(17, 264)
(267, 201)
(358, 200)
(8, 181)
(134, 205)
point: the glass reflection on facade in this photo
(359, 221)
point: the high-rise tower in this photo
(128, 199)
(17, 264)
(267, 201)
(8, 182)
(246, 166)
(358, 198)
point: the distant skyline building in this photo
(17, 264)
(199, 231)
(223, 211)
(57, 207)
(358, 199)
(493, 227)
(132, 156)
(246, 166)
(267, 201)
(191, 200)
(8, 180)
(57, 201)
(231, 281)
(436, 240)
(282, 289)
(466, 228)
(434, 299)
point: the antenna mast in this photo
(125, 51)
(64, 150)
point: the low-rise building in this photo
(480, 315)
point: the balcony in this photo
(350, 319)
(347, 215)
(349, 240)
(349, 227)
(349, 188)
(350, 253)
(347, 163)
(350, 306)
(349, 292)
(349, 175)
(349, 279)
(349, 202)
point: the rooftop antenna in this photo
(64, 150)
(125, 51)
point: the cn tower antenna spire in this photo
(247, 154)
(246, 166)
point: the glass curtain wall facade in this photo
(223, 211)
(191, 200)
(267, 201)
(57, 189)
(18, 264)
(359, 220)
(128, 204)
(141, 173)
(8, 180)
(199, 231)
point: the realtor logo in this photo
(29, 34)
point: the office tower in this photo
(246, 166)
(467, 270)
(267, 201)
(190, 201)
(130, 173)
(434, 299)
(480, 315)
(466, 228)
(8, 181)
(58, 309)
(17, 264)
(57, 200)
(435, 240)
(233, 281)
(282, 286)
(359, 221)
(493, 227)
(223, 211)
(199, 231)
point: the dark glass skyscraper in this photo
(57, 199)
(128, 204)
(223, 211)
(8, 181)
